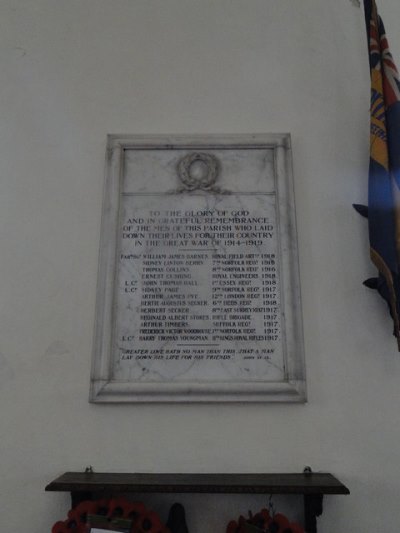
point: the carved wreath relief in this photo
(198, 171)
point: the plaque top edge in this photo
(189, 141)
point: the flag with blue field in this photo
(384, 171)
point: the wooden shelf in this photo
(313, 486)
(197, 483)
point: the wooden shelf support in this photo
(312, 509)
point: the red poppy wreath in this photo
(263, 522)
(116, 514)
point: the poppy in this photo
(60, 527)
(279, 523)
(232, 527)
(261, 519)
(136, 511)
(73, 526)
(118, 508)
(80, 513)
(101, 507)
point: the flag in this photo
(384, 170)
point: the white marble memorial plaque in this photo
(198, 292)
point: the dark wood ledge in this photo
(313, 483)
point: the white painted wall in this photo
(73, 71)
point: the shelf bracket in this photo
(312, 509)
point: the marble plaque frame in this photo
(292, 388)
